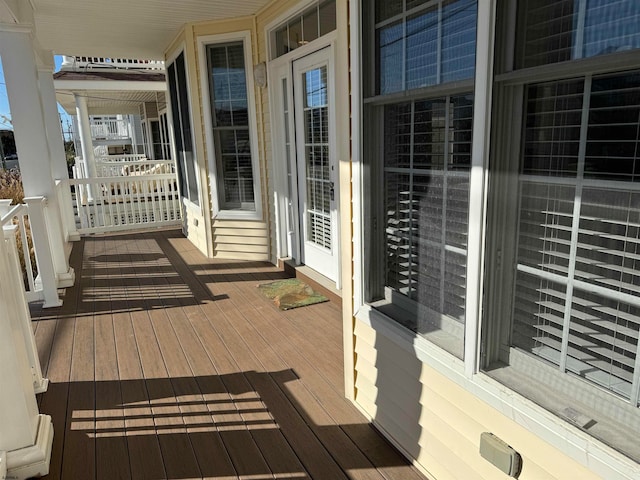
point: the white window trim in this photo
(566, 438)
(203, 43)
(270, 28)
(169, 59)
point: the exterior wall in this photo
(239, 239)
(196, 222)
(429, 404)
(439, 423)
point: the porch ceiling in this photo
(104, 102)
(125, 29)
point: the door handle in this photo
(332, 191)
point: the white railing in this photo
(24, 227)
(14, 295)
(115, 203)
(134, 168)
(121, 158)
(89, 63)
(110, 129)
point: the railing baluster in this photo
(40, 239)
(15, 283)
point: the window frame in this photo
(370, 99)
(496, 323)
(566, 438)
(498, 320)
(170, 60)
(215, 176)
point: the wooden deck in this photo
(167, 365)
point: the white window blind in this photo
(230, 112)
(426, 178)
(577, 302)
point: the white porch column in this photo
(56, 149)
(28, 115)
(86, 140)
(25, 435)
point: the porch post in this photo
(56, 148)
(84, 129)
(25, 435)
(28, 115)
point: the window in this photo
(560, 30)
(562, 316)
(419, 151)
(312, 23)
(230, 122)
(186, 160)
(419, 44)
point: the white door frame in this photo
(323, 260)
(284, 164)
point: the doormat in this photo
(291, 293)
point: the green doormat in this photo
(291, 293)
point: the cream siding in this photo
(227, 236)
(265, 17)
(437, 422)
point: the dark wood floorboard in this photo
(167, 365)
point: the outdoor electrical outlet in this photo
(501, 455)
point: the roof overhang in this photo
(108, 92)
(122, 28)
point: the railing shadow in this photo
(243, 424)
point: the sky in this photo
(5, 112)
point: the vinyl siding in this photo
(227, 237)
(266, 16)
(437, 422)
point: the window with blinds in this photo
(577, 292)
(419, 154)
(427, 145)
(422, 43)
(559, 30)
(230, 112)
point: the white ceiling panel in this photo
(125, 28)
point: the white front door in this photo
(317, 172)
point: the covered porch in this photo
(166, 364)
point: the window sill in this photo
(568, 439)
(237, 215)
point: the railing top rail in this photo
(110, 62)
(140, 162)
(128, 178)
(14, 211)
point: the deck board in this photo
(166, 364)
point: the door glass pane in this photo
(316, 144)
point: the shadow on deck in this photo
(167, 365)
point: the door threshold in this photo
(315, 280)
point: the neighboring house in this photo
(464, 172)
(125, 101)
